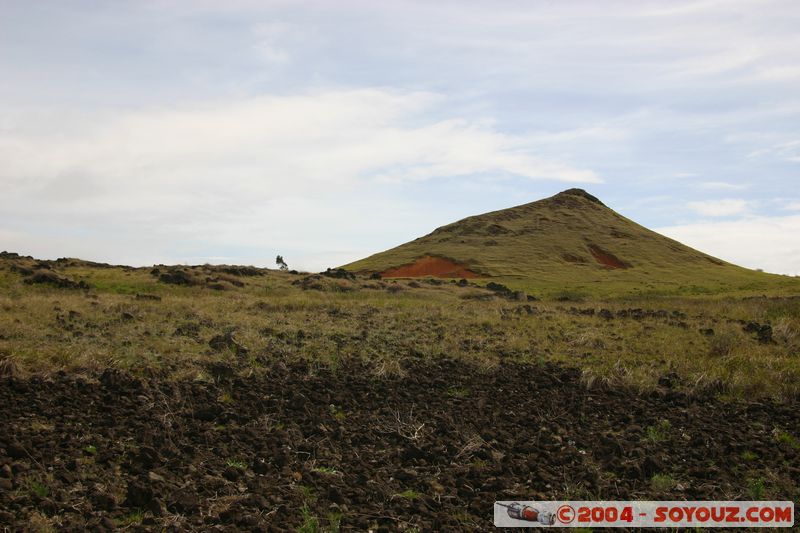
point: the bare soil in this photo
(437, 267)
(432, 449)
(607, 258)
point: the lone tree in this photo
(281, 263)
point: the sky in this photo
(200, 131)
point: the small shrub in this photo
(723, 343)
(662, 482)
(787, 331)
(756, 488)
(239, 465)
(38, 489)
(334, 521)
(337, 412)
(310, 521)
(226, 398)
(326, 470)
(134, 518)
(786, 438)
(747, 455)
(659, 432)
(588, 339)
(458, 392)
(8, 366)
(281, 263)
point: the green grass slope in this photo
(552, 246)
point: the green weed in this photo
(756, 488)
(37, 488)
(337, 412)
(749, 456)
(659, 432)
(326, 470)
(786, 438)
(310, 522)
(662, 483)
(130, 519)
(239, 465)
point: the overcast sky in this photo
(192, 131)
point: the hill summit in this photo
(570, 241)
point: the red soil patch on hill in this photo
(607, 258)
(437, 267)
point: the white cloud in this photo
(792, 206)
(641, 93)
(260, 147)
(295, 172)
(270, 39)
(720, 186)
(787, 151)
(769, 243)
(719, 208)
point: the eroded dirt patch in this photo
(607, 258)
(432, 266)
(431, 450)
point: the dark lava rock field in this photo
(297, 446)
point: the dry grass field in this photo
(744, 345)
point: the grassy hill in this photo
(572, 243)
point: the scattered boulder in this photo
(8, 367)
(505, 292)
(207, 276)
(499, 289)
(339, 273)
(188, 329)
(19, 269)
(242, 271)
(225, 278)
(149, 297)
(321, 282)
(763, 332)
(226, 341)
(177, 277)
(221, 371)
(139, 494)
(103, 501)
(51, 277)
(183, 500)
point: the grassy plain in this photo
(740, 345)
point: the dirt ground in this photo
(301, 447)
(437, 267)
